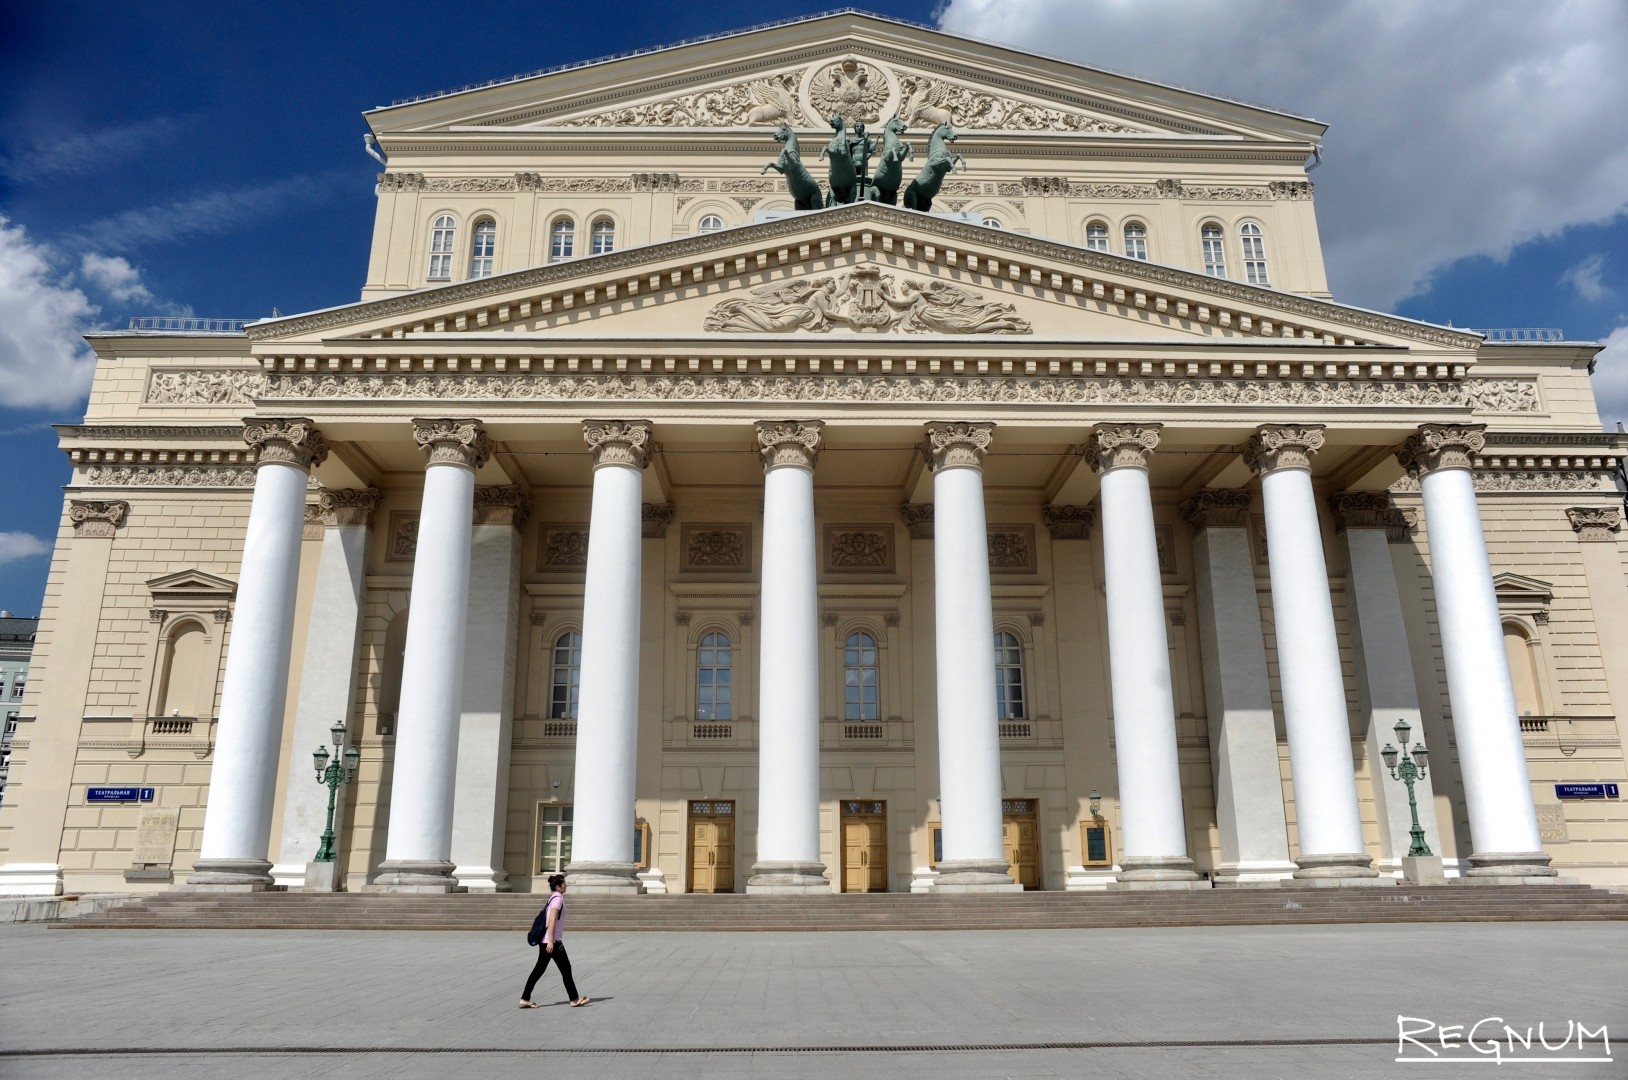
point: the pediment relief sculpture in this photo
(864, 300)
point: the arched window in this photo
(993, 223)
(562, 240)
(1096, 236)
(442, 235)
(602, 237)
(1136, 240)
(567, 685)
(180, 691)
(861, 679)
(710, 223)
(483, 251)
(1253, 242)
(1008, 677)
(713, 665)
(1215, 255)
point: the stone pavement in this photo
(1253, 1002)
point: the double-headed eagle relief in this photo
(864, 299)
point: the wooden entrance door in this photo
(712, 846)
(864, 846)
(1021, 828)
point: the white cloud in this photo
(87, 151)
(1611, 379)
(20, 545)
(1585, 278)
(114, 276)
(43, 361)
(208, 214)
(1457, 128)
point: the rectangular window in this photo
(553, 838)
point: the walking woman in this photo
(552, 943)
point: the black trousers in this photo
(561, 960)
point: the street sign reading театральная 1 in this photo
(118, 794)
(1586, 791)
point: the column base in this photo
(1156, 873)
(30, 879)
(603, 878)
(321, 877)
(974, 876)
(1256, 874)
(1510, 868)
(787, 879)
(1339, 870)
(229, 875)
(414, 876)
(483, 879)
(1423, 870)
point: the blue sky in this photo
(207, 159)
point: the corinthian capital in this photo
(1368, 510)
(347, 506)
(958, 445)
(1595, 522)
(618, 442)
(1217, 509)
(96, 518)
(447, 441)
(1122, 446)
(501, 506)
(1442, 446)
(789, 442)
(1283, 446)
(286, 440)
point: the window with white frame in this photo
(553, 838)
(602, 237)
(714, 668)
(1215, 255)
(1096, 236)
(1008, 676)
(567, 683)
(443, 234)
(993, 223)
(861, 679)
(483, 249)
(562, 240)
(710, 223)
(1253, 241)
(1136, 240)
(17, 684)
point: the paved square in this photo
(1251, 1002)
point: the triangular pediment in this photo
(1518, 593)
(191, 588)
(861, 66)
(866, 270)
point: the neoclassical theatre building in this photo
(991, 497)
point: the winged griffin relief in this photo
(866, 300)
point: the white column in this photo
(327, 679)
(1487, 728)
(969, 752)
(1154, 852)
(1386, 692)
(608, 710)
(1238, 694)
(788, 829)
(248, 743)
(486, 723)
(1314, 713)
(418, 852)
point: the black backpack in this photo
(539, 927)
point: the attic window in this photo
(602, 237)
(1136, 240)
(1096, 236)
(482, 254)
(442, 235)
(993, 223)
(562, 240)
(1215, 255)
(710, 223)
(1254, 245)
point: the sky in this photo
(190, 159)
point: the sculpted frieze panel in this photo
(1011, 549)
(1503, 395)
(563, 548)
(859, 549)
(402, 542)
(1502, 480)
(929, 102)
(198, 476)
(717, 548)
(204, 387)
(864, 299)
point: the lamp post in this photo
(1408, 772)
(334, 775)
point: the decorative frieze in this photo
(618, 442)
(931, 102)
(1011, 549)
(1595, 522)
(1511, 481)
(655, 181)
(563, 548)
(859, 549)
(286, 441)
(717, 548)
(958, 445)
(572, 185)
(192, 476)
(655, 519)
(401, 181)
(918, 519)
(448, 441)
(1115, 446)
(1217, 509)
(1502, 395)
(1283, 446)
(1069, 522)
(206, 387)
(789, 442)
(402, 542)
(1442, 446)
(348, 506)
(866, 300)
(97, 518)
(501, 506)
(1164, 540)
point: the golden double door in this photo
(864, 846)
(1020, 827)
(712, 846)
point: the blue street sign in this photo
(119, 794)
(1586, 791)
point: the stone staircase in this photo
(874, 911)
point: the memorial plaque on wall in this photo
(155, 838)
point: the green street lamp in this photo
(334, 775)
(1408, 772)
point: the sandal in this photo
(530, 1005)
(581, 1001)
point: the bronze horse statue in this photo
(804, 189)
(884, 185)
(844, 180)
(940, 160)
